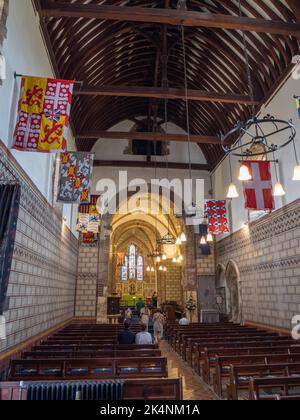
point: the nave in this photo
(198, 362)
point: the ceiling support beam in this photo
(114, 135)
(144, 164)
(166, 93)
(167, 16)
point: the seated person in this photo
(184, 320)
(126, 336)
(144, 338)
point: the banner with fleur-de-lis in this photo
(44, 113)
(76, 170)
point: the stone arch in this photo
(232, 275)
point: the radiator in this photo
(72, 391)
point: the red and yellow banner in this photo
(44, 113)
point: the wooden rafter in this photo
(162, 93)
(116, 135)
(167, 16)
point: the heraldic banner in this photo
(44, 112)
(216, 212)
(76, 170)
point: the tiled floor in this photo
(193, 386)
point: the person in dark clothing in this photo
(126, 336)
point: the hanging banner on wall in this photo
(76, 170)
(89, 220)
(44, 113)
(258, 191)
(298, 104)
(216, 213)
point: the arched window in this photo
(124, 273)
(132, 262)
(140, 268)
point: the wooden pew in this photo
(87, 354)
(210, 356)
(199, 348)
(92, 347)
(223, 365)
(286, 385)
(155, 367)
(240, 376)
(134, 389)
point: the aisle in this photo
(193, 386)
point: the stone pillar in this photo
(102, 284)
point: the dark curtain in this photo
(9, 210)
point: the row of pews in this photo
(240, 362)
(84, 362)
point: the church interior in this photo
(149, 190)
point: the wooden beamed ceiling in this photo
(122, 49)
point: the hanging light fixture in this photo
(278, 188)
(158, 259)
(165, 269)
(209, 238)
(296, 176)
(174, 260)
(203, 240)
(244, 173)
(232, 190)
(161, 268)
(183, 237)
(257, 137)
(178, 241)
(148, 269)
(164, 257)
(152, 270)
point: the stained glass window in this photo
(132, 262)
(125, 270)
(140, 268)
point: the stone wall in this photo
(87, 275)
(42, 283)
(267, 254)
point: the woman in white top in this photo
(143, 338)
(158, 325)
(145, 316)
(184, 320)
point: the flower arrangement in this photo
(191, 305)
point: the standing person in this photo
(154, 300)
(144, 338)
(159, 321)
(145, 316)
(128, 314)
(139, 306)
(126, 336)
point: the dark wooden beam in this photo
(144, 164)
(166, 93)
(167, 16)
(114, 135)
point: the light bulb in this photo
(161, 268)
(165, 269)
(232, 192)
(181, 257)
(209, 238)
(278, 190)
(203, 241)
(178, 241)
(148, 269)
(244, 173)
(152, 270)
(174, 260)
(183, 237)
(296, 176)
(158, 259)
(164, 257)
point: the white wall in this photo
(282, 106)
(25, 53)
(114, 149)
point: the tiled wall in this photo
(86, 291)
(43, 274)
(267, 255)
